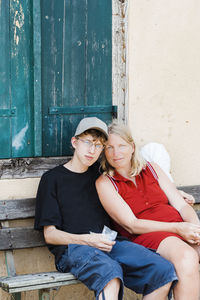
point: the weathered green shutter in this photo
(5, 109)
(56, 68)
(16, 76)
(77, 68)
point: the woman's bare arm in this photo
(175, 198)
(119, 211)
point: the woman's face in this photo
(118, 152)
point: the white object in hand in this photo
(110, 234)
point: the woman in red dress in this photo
(148, 209)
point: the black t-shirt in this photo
(69, 201)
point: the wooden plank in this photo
(5, 129)
(36, 281)
(53, 26)
(10, 264)
(21, 64)
(20, 238)
(29, 167)
(99, 53)
(17, 209)
(74, 71)
(98, 109)
(40, 286)
(5, 54)
(37, 78)
(193, 190)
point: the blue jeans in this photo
(137, 267)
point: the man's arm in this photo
(55, 236)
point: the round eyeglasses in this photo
(89, 144)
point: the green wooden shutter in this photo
(16, 76)
(76, 68)
(5, 109)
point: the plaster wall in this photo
(164, 80)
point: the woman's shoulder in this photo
(102, 178)
(151, 169)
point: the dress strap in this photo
(113, 182)
(153, 172)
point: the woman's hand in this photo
(99, 241)
(190, 232)
(187, 197)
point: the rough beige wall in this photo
(164, 80)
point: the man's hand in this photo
(58, 237)
(99, 241)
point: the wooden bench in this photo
(25, 237)
(12, 238)
(195, 191)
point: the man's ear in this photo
(73, 142)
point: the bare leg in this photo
(186, 263)
(159, 294)
(111, 290)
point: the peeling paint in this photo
(18, 140)
(18, 22)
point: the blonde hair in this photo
(137, 162)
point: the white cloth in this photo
(155, 152)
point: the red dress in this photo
(147, 201)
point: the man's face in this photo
(87, 149)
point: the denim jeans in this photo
(137, 267)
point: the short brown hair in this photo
(96, 134)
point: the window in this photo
(56, 69)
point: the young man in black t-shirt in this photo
(71, 216)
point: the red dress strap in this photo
(153, 172)
(113, 182)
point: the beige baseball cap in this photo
(91, 123)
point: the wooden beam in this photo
(30, 282)
(17, 209)
(194, 190)
(29, 167)
(20, 238)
